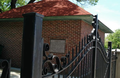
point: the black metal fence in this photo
(89, 59)
(5, 66)
(113, 67)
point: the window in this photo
(57, 46)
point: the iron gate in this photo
(89, 59)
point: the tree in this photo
(90, 2)
(6, 5)
(31, 1)
(114, 38)
(13, 2)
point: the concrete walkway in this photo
(15, 73)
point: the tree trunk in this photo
(13, 2)
(31, 1)
(0, 10)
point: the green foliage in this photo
(5, 4)
(90, 2)
(20, 3)
(114, 38)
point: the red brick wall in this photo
(86, 29)
(70, 30)
(11, 39)
(102, 35)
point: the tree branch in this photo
(0, 10)
(31, 1)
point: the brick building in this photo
(64, 23)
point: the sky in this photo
(108, 12)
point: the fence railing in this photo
(5, 66)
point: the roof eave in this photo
(86, 18)
(11, 19)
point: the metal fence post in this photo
(110, 57)
(95, 19)
(115, 63)
(32, 46)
